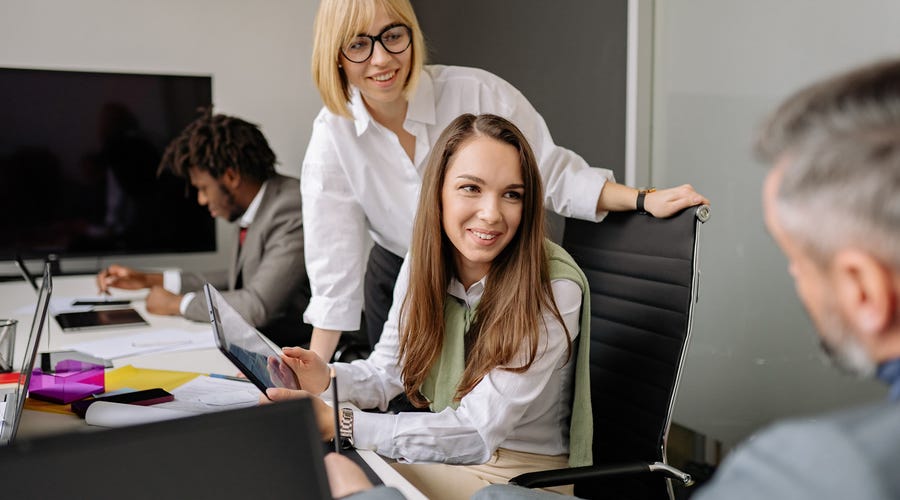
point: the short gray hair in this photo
(839, 142)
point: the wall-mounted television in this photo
(79, 153)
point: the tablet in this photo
(257, 357)
(99, 318)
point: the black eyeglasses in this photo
(395, 39)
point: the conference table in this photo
(17, 301)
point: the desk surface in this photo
(16, 298)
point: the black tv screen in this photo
(79, 152)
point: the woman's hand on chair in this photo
(668, 202)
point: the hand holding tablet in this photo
(250, 351)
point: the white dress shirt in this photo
(359, 184)
(526, 411)
(172, 278)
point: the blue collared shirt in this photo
(889, 373)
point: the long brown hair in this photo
(517, 291)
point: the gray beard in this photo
(843, 348)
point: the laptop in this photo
(12, 401)
(257, 357)
(103, 314)
(268, 451)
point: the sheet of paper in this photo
(207, 394)
(106, 414)
(60, 304)
(167, 340)
(57, 305)
(201, 395)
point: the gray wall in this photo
(720, 66)
(567, 57)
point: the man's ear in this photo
(231, 178)
(865, 292)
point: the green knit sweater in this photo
(443, 380)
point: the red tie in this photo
(243, 235)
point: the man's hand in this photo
(116, 276)
(162, 301)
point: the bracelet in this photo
(642, 193)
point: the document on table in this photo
(207, 394)
(167, 340)
(106, 414)
(201, 395)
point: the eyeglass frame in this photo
(377, 38)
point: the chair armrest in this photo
(556, 477)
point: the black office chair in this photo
(643, 277)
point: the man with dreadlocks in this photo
(232, 166)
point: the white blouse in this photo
(359, 185)
(526, 411)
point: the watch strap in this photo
(345, 432)
(642, 194)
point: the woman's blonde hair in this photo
(517, 291)
(337, 22)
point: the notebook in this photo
(269, 451)
(12, 402)
(101, 315)
(257, 357)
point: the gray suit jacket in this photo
(848, 455)
(275, 288)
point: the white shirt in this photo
(526, 411)
(172, 278)
(358, 183)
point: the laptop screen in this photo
(268, 451)
(15, 401)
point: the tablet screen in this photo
(99, 318)
(255, 355)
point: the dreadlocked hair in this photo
(215, 143)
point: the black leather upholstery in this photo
(641, 274)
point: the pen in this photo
(337, 420)
(229, 377)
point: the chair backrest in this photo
(643, 276)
